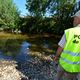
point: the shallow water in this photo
(19, 49)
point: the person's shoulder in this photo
(69, 29)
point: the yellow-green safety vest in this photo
(70, 56)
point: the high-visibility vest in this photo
(70, 56)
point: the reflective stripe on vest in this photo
(71, 53)
(69, 62)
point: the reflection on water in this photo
(5, 57)
(20, 57)
(19, 49)
(24, 51)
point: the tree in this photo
(62, 11)
(37, 7)
(9, 14)
(60, 15)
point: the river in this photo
(18, 49)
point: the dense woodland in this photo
(45, 16)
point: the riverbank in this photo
(8, 70)
(32, 69)
(4, 35)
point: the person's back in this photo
(70, 56)
(68, 52)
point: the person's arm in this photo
(61, 44)
(58, 53)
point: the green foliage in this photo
(37, 7)
(55, 5)
(37, 25)
(63, 17)
(9, 14)
(60, 16)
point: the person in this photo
(68, 52)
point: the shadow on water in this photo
(14, 50)
(24, 51)
(5, 57)
(19, 49)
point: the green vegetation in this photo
(37, 21)
(60, 16)
(9, 15)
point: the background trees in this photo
(48, 16)
(9, 14)
(45, 16)
(37, 7)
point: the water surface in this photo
(19, 49)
